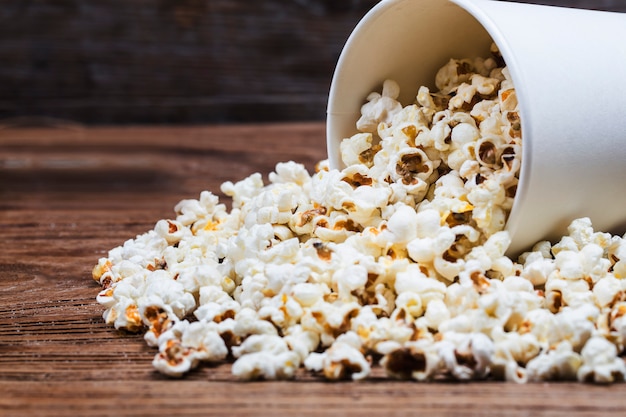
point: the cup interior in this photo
(403, 40)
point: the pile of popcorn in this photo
(396, 261)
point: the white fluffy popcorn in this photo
(600, 362)
(342, 360)
(265, 357)
(380, 108)
(397, 261)
(560, 363)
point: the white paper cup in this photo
(569, 70)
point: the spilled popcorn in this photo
(397, 261)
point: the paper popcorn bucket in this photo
(568, 67)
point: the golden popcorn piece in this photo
(133, 319)
(102, 267)
(158, 318)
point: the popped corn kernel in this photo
(357, 150)
(556, 364)
(418, 360)
(342, 360)
(264, 357)
(466, 356)
(600, 362)
(380, 108)
(453, 74)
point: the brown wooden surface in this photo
(69, 194)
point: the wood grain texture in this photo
(165, 61)
(68, 195)
(178, 61)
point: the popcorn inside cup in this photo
(456, 150)
(395, 262)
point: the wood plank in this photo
(58, 358)
(58, 219)
(187, 398)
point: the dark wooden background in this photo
(176, 61)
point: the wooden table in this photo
(68, 194)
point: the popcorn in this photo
(615, 326)
(183, 346)
(396, 261)
(330, 320)
(557, 364)
(342, 360)
(417, 360)
(356, 150)
(301, 341)
(466, 356)
(401, 226)
(436, 313)
(247, 322)
(453, 74)
(577, 325)
(264, 357)
(601, 363)
(537, 268)
(512, 352)
(607, 291)
(215, 304)
(380, 108)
